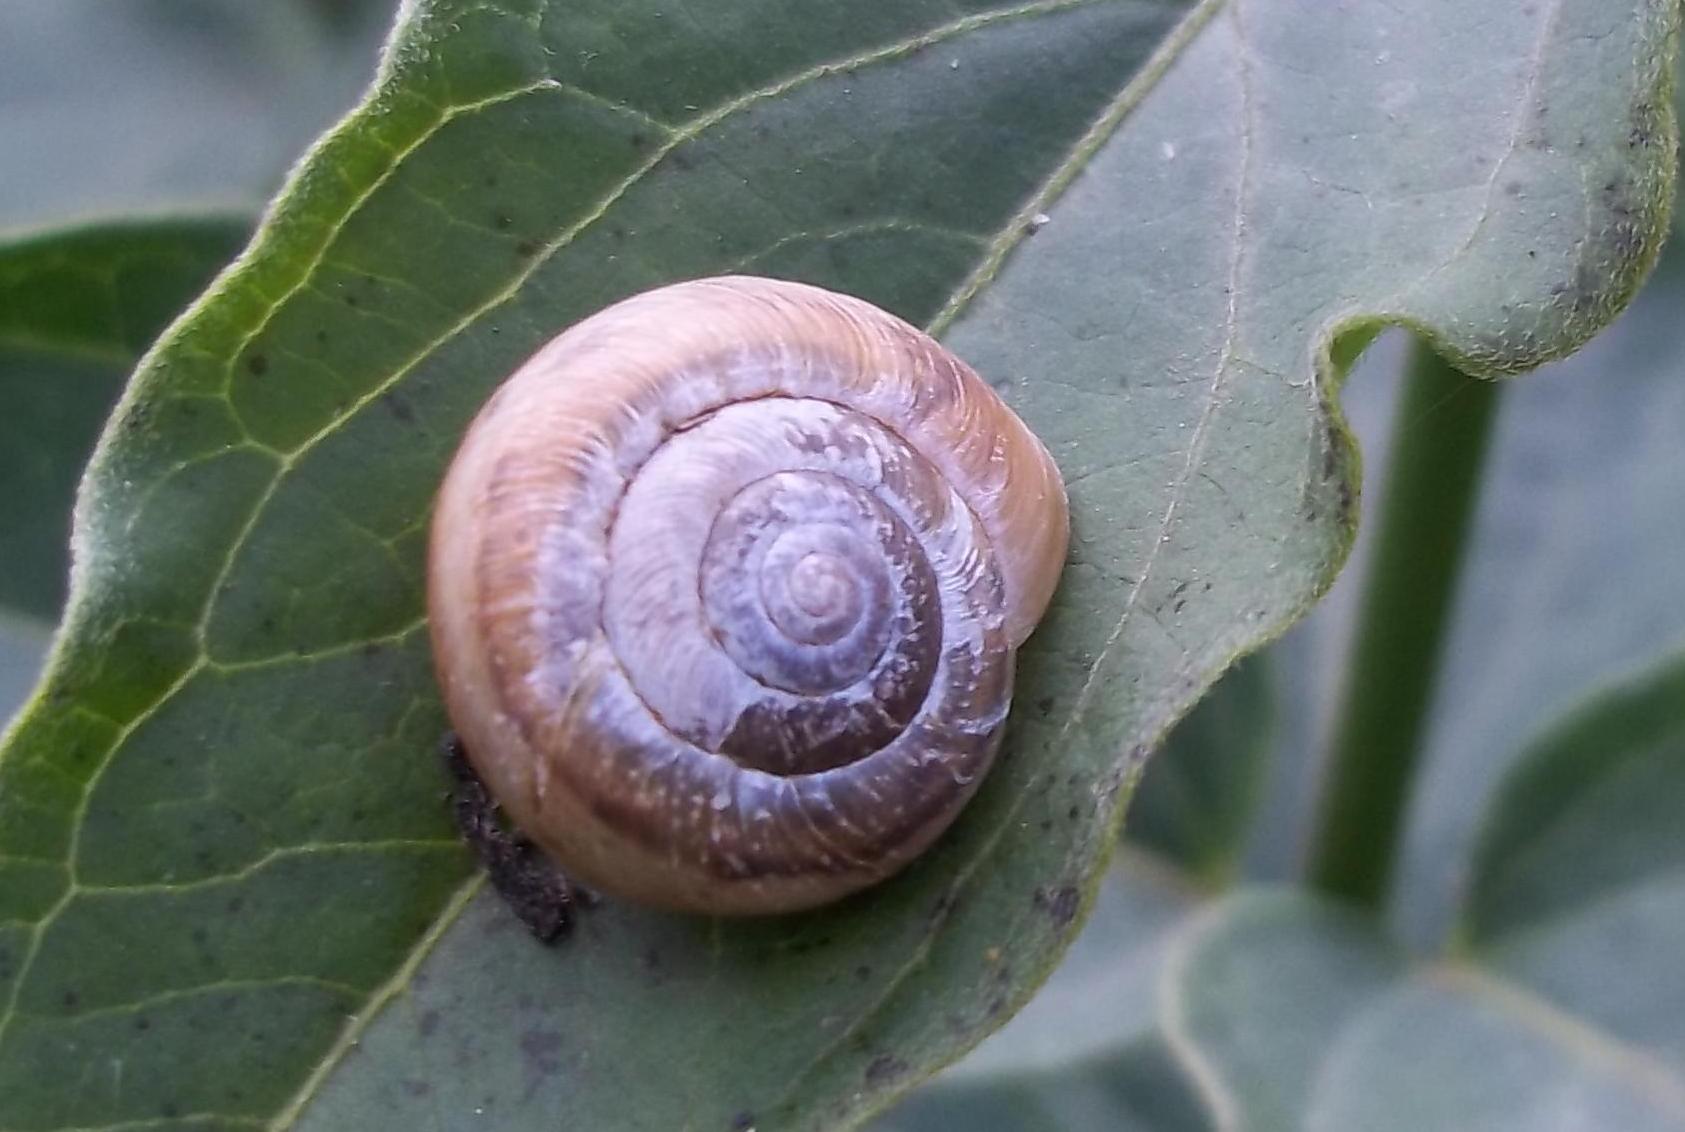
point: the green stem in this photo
(1439, 442)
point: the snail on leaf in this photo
(725, 585)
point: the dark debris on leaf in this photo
(538, 894)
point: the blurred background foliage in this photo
(196, 108)
(111, 112)
(169, 105)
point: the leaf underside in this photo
(1558, 1008)
(228, 894)
(1569, 913)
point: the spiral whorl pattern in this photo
(725, 587)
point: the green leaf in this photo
(1560, 1011)
(77, 308)
(1557, 511)
(223, 805)
(1198, 796)
(1296, 1016)
(1575, 547)
(1578, 887)
(1137, 1089)
(1088, 1051)
(1571, 909)
(1261, 992)
(1275, 1012)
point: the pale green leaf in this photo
(1295, 1017)
(1198, 796)
(1574, 576)
(1578, 888)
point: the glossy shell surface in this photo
(725, 585)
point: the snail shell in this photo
(725, 584)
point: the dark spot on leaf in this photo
(415, 1088)
(1512, 188)
(1646, 126)
(71, 1000)
(803, 946)
(321, 335)
(399, 407)
(883, 1069)
(862, 972)
(682, 159)
(1045, 705)
(258, 365)
(650, 961)
(169, 1110)
(997, 1006)
(1348, 510)
(235, 904)
(491, 181)
(1625, 230)
(1046, 824)
(351, 300)
(1073, 813)
(539, 1049)
(637, 140)
(429, 1022)
(527, 247)
(503, 220)
(1063, 904)
(743, 1122)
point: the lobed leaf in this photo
(220, 818)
